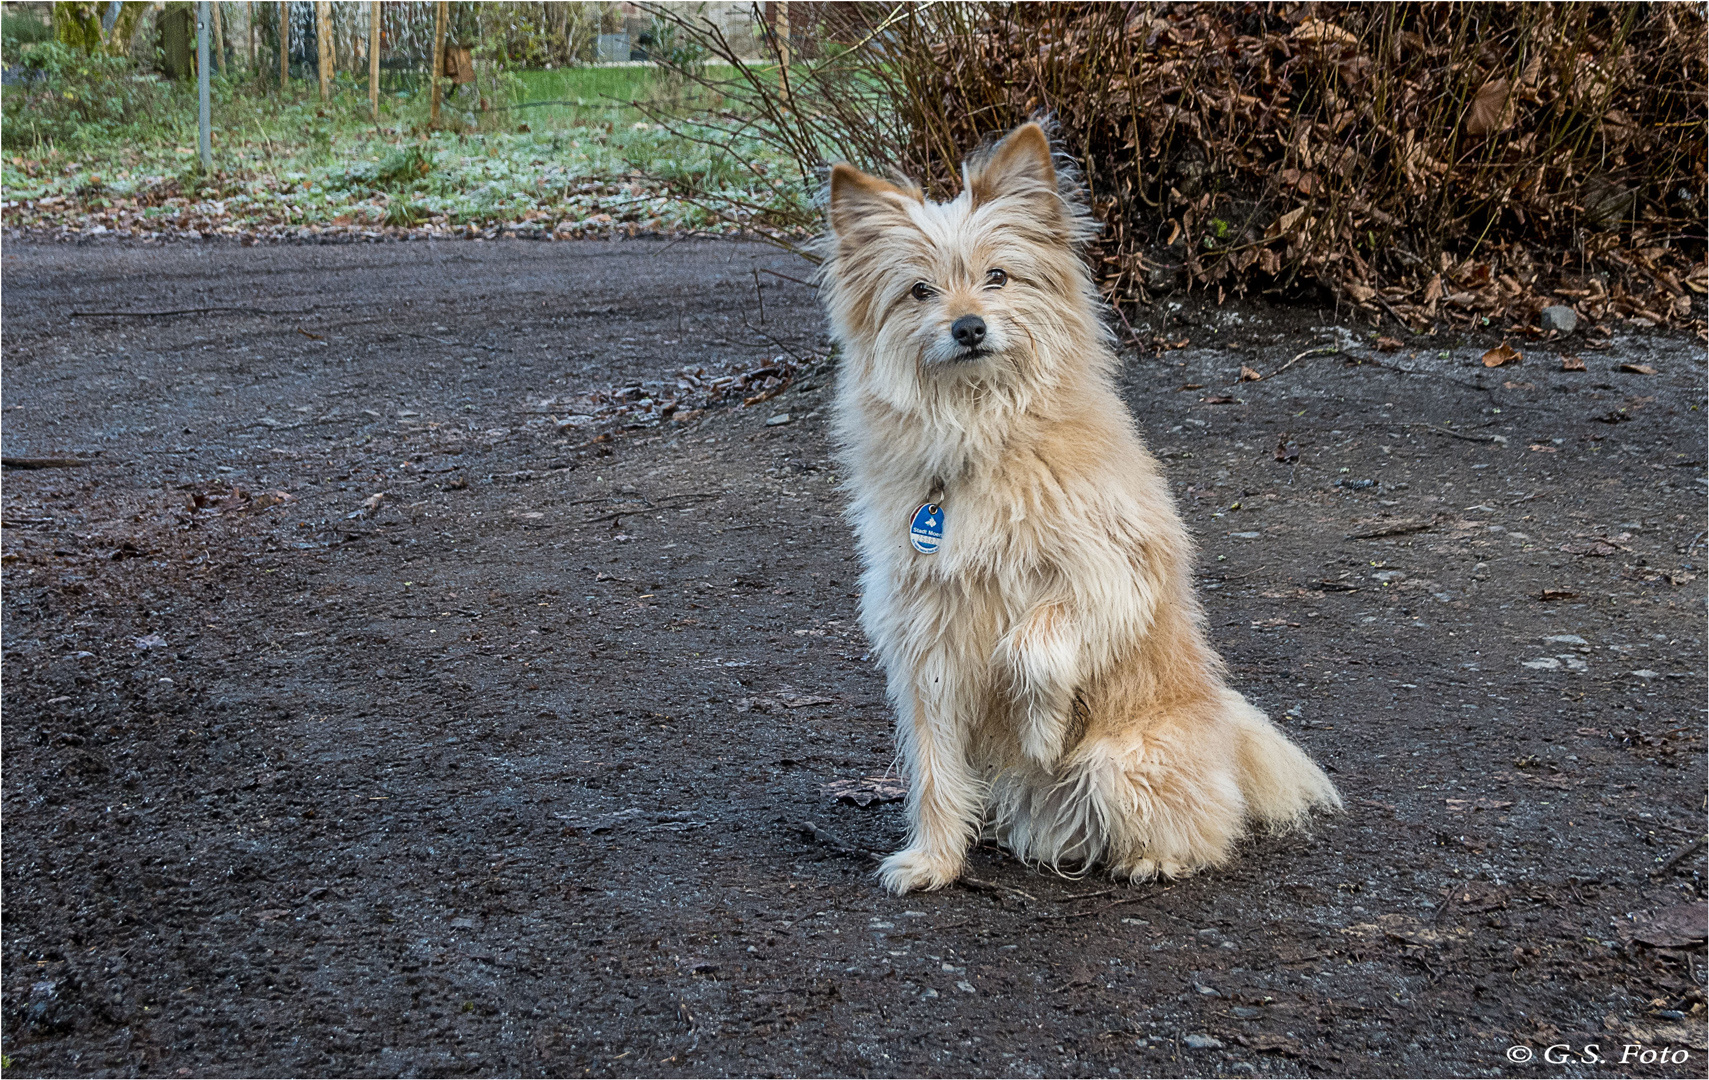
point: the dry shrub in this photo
(1430, 160)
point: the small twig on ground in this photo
(692, 234)
(1679, 856)
(785, 277)
(44, 462)
(775, 341)
(978, 885)
(759, 292)
(1132, 334)
(1404, 325)
(180, 311)
(1456, 434)
(1094, 911)
(833, 841)
(1322, 350)
(1399, 528)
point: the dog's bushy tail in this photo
(1281, 785)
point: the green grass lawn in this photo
(597, 95)
(293, 161)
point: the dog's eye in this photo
(921, 291)
(996, 277)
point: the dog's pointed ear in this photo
(857, 197)
(1019, 166)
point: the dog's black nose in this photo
(968, 331)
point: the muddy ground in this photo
(522, 768)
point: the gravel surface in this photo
(434, 668)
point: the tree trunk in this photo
(284, 46)
(323, 46)
(219, 37)
(374, 59)
(782, 31)
(177, 25)
(438, 72)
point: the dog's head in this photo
(984, 285)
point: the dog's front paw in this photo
(1153, 869)
(916, 869)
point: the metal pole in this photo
(204, 139)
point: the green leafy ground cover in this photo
(118, 156)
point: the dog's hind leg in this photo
(1165, 802)
(946, 797)
(1172, 794)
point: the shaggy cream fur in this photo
(1048, 664)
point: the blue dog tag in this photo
(927, 529)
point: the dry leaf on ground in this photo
(1462, 805)
(867, 790)
(1501, 355)
(1675, 927)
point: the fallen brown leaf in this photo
(1248, 375)
(1638, 369)
(791, 700)
(1217, 399)
(1389, 344)
(1486, 113)
(1266, 1043)
(1675, 927)
(1571, 363)
(1501, 355)
(1541, 449)
(1556, 594)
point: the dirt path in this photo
(521, 769)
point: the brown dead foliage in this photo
(1430, 161)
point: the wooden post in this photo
(284, 46)
(782, 31)
(440, 17)
(219, 38)
(374, 59)
(323, 46)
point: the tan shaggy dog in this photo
(1028, 581)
